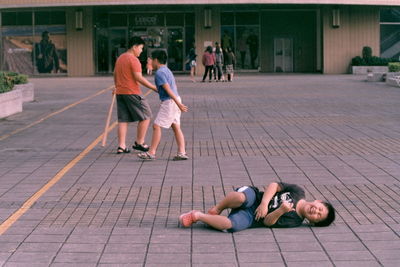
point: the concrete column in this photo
(205, 36)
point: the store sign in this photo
(147, 20)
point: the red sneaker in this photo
(187, 219)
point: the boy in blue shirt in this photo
(171, 107)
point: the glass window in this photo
(390, 15)
(57, 18)
(17, 42)
(247, 44)
(227, 18)
(174, 19)
(42, 18)
(189, 19)
(390, 41)
(175, 49)
(247, 18)
(118, 20)
(9, 18)
(24, 18)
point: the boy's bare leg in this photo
(142, 130)
(218, 222)
(122, 130)
(231, 201)
(180, 139)
(192, 71)
(155, 139)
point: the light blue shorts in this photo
(244, 217)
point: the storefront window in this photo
(240, 31)
(172, 32)
(174, 19)
(34, 49)
(390, 33)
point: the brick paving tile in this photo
(171, 248)
(259, 257)
(305, 256)
(35, 257)
(310, 263)
(359, 263)
(167, 258)
(335, 135)
(211, 258)
(118, 258)
(83, 257)
(38, 247)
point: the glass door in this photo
(175, 49)
(283, 55)
(117, 44)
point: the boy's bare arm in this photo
(274, 216)
(181, 106)
(269, 192)
(139, 77)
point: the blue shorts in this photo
(244, 217)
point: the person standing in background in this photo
(46, 55)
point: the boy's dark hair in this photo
(135, 40)
(160, 55)
(329, 218)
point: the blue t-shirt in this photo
(163, 76)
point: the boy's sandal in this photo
(142, 147)
(180, 156)
(120, 150)
(146, 156)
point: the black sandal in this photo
(142, 147)
(120, 150)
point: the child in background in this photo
(149, 66)
(171, 107)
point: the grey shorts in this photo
(132, 108)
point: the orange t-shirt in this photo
(124, 80)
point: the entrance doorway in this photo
(117, 45)
(283, 55)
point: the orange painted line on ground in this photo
(54, 113)
(26, 206)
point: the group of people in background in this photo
(215, 60)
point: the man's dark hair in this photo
(135, 40)
(329, 218)
(160, 55)
(45, 33)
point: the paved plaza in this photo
(336, 135)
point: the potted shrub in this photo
(13, 88)
(393, 76)
(370, 64)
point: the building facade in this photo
(86, 37)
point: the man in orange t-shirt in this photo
(131, 105)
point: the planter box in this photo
(366, 69)
(10, 103)
(376, 77)
(28, 92)
(390, 81)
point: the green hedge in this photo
(372, 61)
(368, 60)
(394, 67)
(9, 79)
